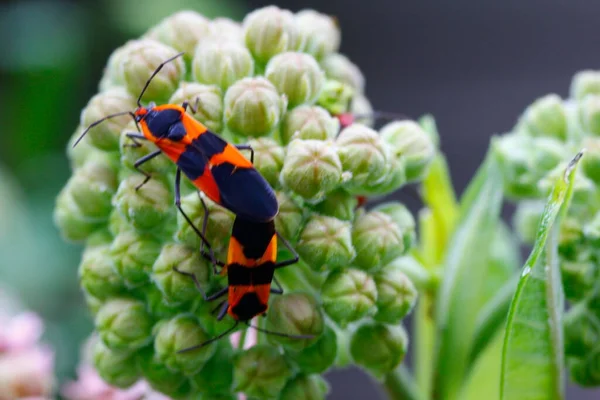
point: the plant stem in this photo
(400, 385)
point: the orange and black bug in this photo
(250, 268)
(215, 167)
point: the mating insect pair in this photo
(218, 169)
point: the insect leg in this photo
(291, 261)
(141, 161)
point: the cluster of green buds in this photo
(277, 82)
(546, 136)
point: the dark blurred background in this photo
(474, 65)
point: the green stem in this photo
(400, 385)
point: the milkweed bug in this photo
(250, 267)
(214, 166)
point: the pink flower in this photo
(26, 373)
(19, 332)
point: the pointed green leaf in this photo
(465, 270)
(532, 361)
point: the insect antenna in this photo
(209, 341)
(281, 334)
(156, 71)
(93, 124)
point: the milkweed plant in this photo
(483, 324)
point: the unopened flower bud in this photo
(318, 357)
(338, 204)
(133, 254)
(117, 368)
(403, 218)
(409, 141)
(216, 377)
(589, 114)
(362, 152)
(105, 136)
(295, 314)
(377, 240)
(319, 32)
(180, 333)
(584, 83)
(146, 208)
(289, 219)
(261, 372)
(79, 154)
(546, 117)
(181, 31)
(415, 271)
(348, 295)
(396, 294)
(361, 106)
(226, 28)
(339, 67)
(98, 275)
(582, 331)
(159, 376)
(394, 176)
(526, 219)
(305, 387)
(156, 303)
(130, 153)
(141, 61)
(586, 372)
(269, 31)
(268, 159)
(176, 287)
(326, 241)
(335, 96)
(206, 99)
(69, 219)
(113, 71)
(578, 278)
(124, 324)
(253, 107)
(296, 75)
(221, 62)
(311, 168)
(378, 347)
(309, 122)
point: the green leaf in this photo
(465, 270)
(532, 361)
(484, 379)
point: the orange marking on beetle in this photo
(233, 156)
(206, 183)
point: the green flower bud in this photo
(362, 152)
(268, 159)
(297, 75)
(133, 255)
(578, 278)
(158, 375)
(305, 387)
(335, 96)
(105, 136)
(348, 295)
(269, 31)
(113, 75)
(396, 294)
(379, 348)
(524, 161)
(69, 219)
(227, 29)
(589, 114)
(216, 377)
(261, 372)
(180, 333)
(590, 164)
(253, 107)
(181, 31)
(318, 357)
(309, 122)
(546, 117)
(394, 176)
(339, 67)
(208, 101)
(338, 204)
(290, 217)
(415, 271)
(221, 62)
(117, 368)
(158, 166)
(311, 168)
(584, 83)
(147, 208)
(79, 155)
(326, 241)
(403, 218)
(156, 303)
(295, 314)
(93, 303)
(586, 372)
(377, 240)
(101, 237)
(582, 331)
(219, 225)
(526, 219)
(97, 273)
(320, 34)
(124, 324)
(361, 106)
(409, 141)
(117, 223)
(141, 61)
(176, 287)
